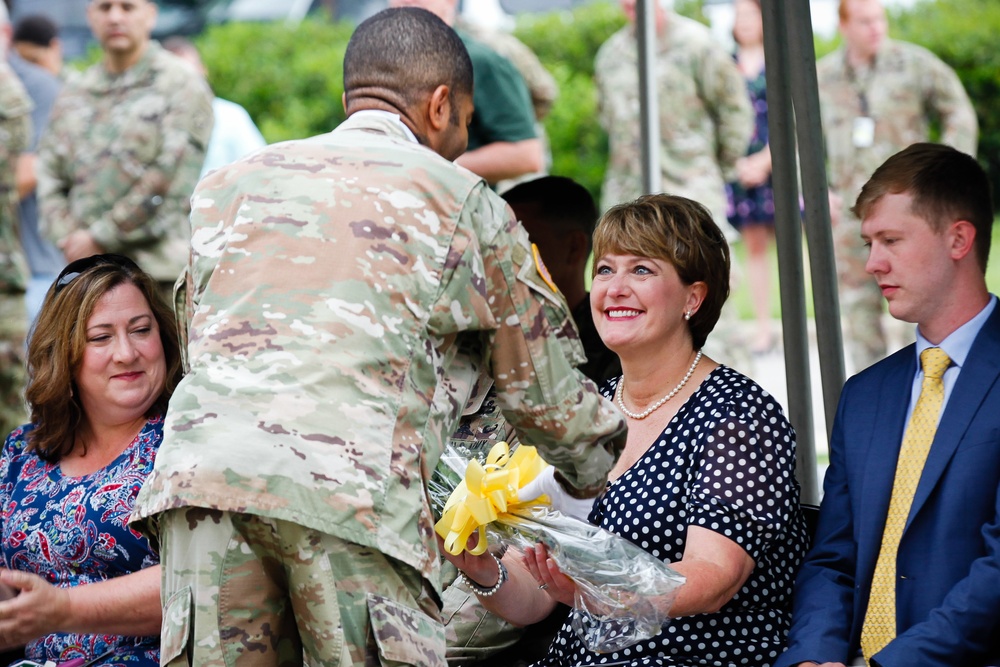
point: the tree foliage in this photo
(290, 79)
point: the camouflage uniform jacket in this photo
(121, 157)
(705, 116)
(907, 87)
(15, 136)
(344, 293)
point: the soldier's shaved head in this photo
(398, 56)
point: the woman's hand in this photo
(550, 578)
(38, 609)
(755, 169)
(482, 569)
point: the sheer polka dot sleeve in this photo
(744, 487)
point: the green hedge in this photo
(290, 79)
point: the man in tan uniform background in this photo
(124, 147)
(877, 97)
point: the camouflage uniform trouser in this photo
(246, 590)
(13, 375)
(860, 297)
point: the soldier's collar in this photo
(389, 116)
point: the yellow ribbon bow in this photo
(486, 493)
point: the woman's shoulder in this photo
(740, 392)
(17, 441)
(153, 428)
(608, 387)
(150, 436)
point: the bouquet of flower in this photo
(622, 592)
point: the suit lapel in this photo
(979, 373)
(879, 461)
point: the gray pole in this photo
(649, 108)
(788, 233)
(819, 235)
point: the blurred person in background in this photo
(124, 148)
(503, 142)
(751, 197)
(877, 96)
(15, 139)
(234, 133)
(44, 259)
(36, 39)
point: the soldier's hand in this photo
(546, 484)
(78, 244)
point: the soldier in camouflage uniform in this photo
(877, 97)
(124, 148)
(15, 135)
(705, 127)
(345, 291)
(705, 117)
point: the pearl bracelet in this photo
(483, 591)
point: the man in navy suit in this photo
(926, 218)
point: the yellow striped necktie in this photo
(880, 621)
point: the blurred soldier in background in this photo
(124, 148)
(877, 97)
(15, 135)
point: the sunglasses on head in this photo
(75, 268)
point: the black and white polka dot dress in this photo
(726, 462)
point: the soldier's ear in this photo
(439, 108)
(343, 101)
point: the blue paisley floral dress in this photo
(73, 531)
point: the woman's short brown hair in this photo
(58, 339)
(679, 231)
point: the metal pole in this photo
(649, 108)
(788, 235)
(819, 235)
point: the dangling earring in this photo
(687, 316)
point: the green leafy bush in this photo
(290, 78)
(963, 34)
(566, 43)
(291, 82)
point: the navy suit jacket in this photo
(948, 564)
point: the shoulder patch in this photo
(542, 270)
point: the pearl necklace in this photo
(654, 406)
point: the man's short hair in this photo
(408, 51)
(561, 202)
(945, 185)
(36, 29)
